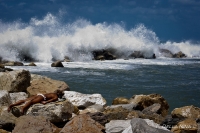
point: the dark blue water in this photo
(178, 84)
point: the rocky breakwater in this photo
(78, 113)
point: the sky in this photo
(174, 20)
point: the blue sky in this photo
(175, 20)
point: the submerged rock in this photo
(57, 64)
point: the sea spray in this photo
(49, 38)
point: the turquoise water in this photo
(177, 80)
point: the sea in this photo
(47, 39)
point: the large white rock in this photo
(54, 111)
(79, 99)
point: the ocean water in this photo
(177, 80)
(42, 40)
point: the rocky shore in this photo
(87, 113)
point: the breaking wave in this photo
(48, 38)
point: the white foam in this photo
(47, 38)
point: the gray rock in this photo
(14, 97)
(117, 126)
(54, 112)
(4, 98)
(15, 81)
(141, 126)
(86, 100)
(93, 109)
(155, 108)
(129, 107)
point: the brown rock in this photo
(118, 113)
(32, 64)
(4, 131)
(186, 126)
(83, 124)
(144, 101)
(120, 100)
(57, 64)
(40, 84)
(186, 112)
(13, 63)
(15, 81)
(34, 124)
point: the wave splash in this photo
(48, 38)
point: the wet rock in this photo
(141, 54)
(166, 53)
(179, 55)
(120, 100)
(15, 81)
(144, 101)
(82, 124)
(186, 126)
(40, 84)
(103, 54)
(13, 63)
(32, 64)
(57, 64)
(186, 112)
(85, 100)
(34, 124)
(66, 59)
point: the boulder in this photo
(34, 124)
(15, 81)
(82, 124)
(103, 54)
(13, 63)
(14, 97)
(117, 126)
(179, 55)
(142, 54)
(120, 100)
(55, 112)
(166, 53)
(93, 109)
(4, 98)
(155, 108)
(2, 66)
(40, 84)
(99, 117)
(86, 100)
(66, 59)
(4, 131)
(186, 126)
(7, 120)
(170, 122)
(129, 107)
(32, 64)
(186, 112)
(57, 64)
(144, 101)
(118, 113)
(146, 126)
